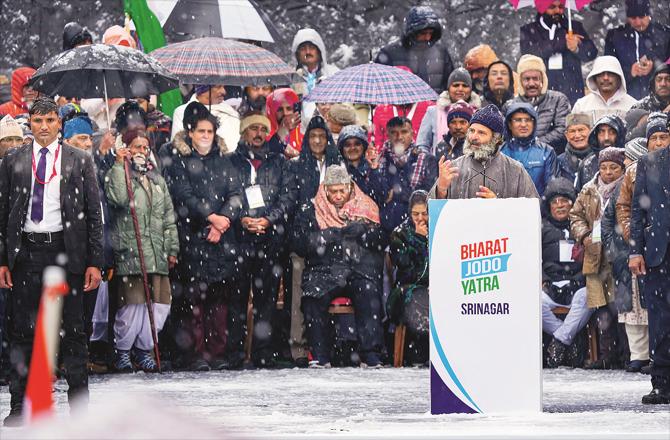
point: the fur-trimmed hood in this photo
(183, 146)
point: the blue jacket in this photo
(538, 158)
(650, 222)
(534, 39)
(654, 43)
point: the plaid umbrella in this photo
(374, 84)
(214, 60)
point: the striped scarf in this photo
(419, 167)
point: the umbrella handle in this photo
(569, 20)
(104, 83)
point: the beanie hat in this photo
(490, 117)
(460, 109)
(579, 119)
(195, 112)
(612, 154)
(78, 125)
(254, 118)
(459, 75)
(636, 148)
(637, 8)
(336, 175)
(479, 57)
(352, 131)
(10, 128)
(130, 135)
(199, 89)
(343, 114)
(657, 122)
(531, 62)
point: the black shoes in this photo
(657, 396)
(636, 366)
(556, 353)
(199, 365)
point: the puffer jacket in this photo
(593, 103)
(538, 158)
(17, 106)
(333, 255)
(568, 162)
(156, 217)
(586, 211)
(616, 252)
(553, 232)
(626, 44)
(625, 201)
(589, 166)
(430, 61)
(200, 186)
(636, 118)
(552, 108)
(534, 39)
(427, 136)
(277, 187)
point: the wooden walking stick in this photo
(145, 279)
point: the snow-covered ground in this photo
(342, 402)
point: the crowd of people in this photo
(244, 219)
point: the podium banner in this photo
(485, 311)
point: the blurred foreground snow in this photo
(344, 403)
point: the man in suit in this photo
(49, 215)
(650, 260)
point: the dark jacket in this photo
(552, 108)
(654, 43)
(553, 232)
(616, 252)
(534, 39)
(567, 163)
(650, 222)
(450, 152)
(80, 206)
(409, 254)
(369, 180)
(430, 61)
(589, 166)
(398, 180)
(538, 158)
(488, 96)
(637, 127)
(334, 255)
(200, 186)
(277, 187)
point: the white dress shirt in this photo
(51, 219)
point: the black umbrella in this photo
(103, 71)
(239, 19)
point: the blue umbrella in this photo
(373, 84)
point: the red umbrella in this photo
(542, 5)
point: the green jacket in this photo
(156, 218)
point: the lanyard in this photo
(53, 171)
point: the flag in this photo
(151, 36)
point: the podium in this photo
(485, 309)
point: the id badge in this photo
(555, 62)
(254, 197)
(565, 251)
(596, 234)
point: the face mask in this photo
(140, 163)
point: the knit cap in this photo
(254, 118)
(459, 75)
(460, 109)
(637, 8)
(78, 125)
(612, 154)
(636, 148)
(490, 117)
(657, 122)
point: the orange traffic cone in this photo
(38, 399)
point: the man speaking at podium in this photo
(483, 171)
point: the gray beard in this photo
(484, 152)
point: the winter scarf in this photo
(581, 154)
(401, 161)
(360, 207)
(606, 189)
